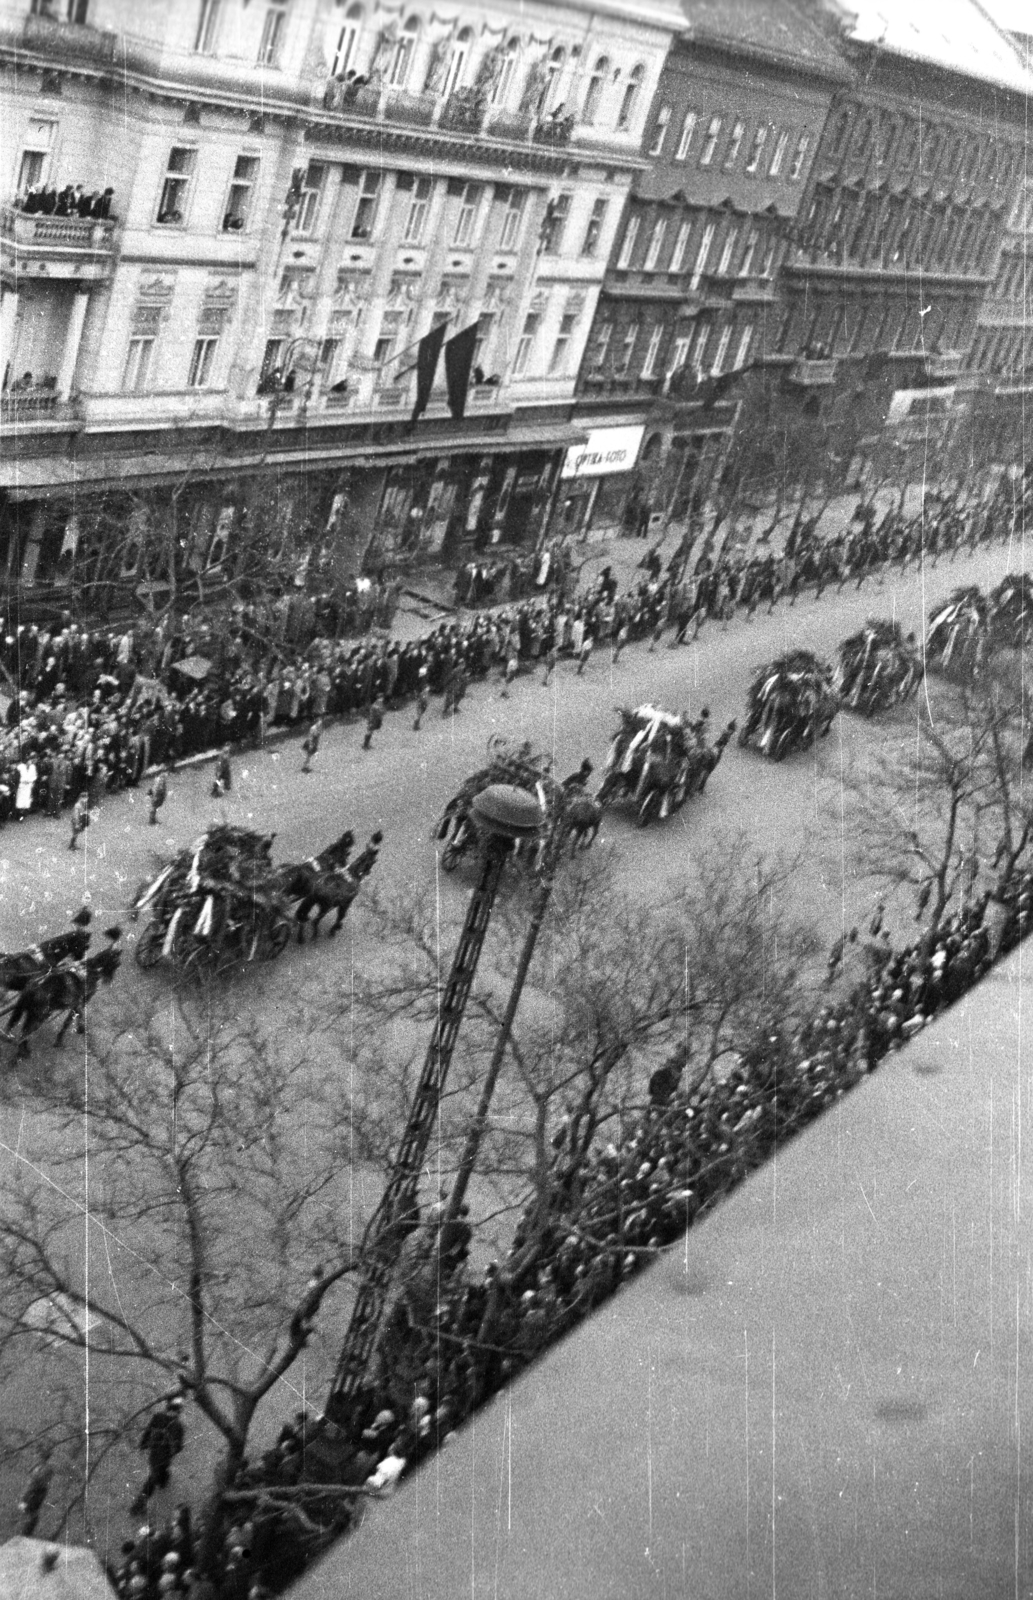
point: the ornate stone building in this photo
(299, 192)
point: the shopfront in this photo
(596, 480)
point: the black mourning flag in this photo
(426, 366)
(459, 353)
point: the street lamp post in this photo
(502, 815)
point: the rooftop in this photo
(777, 30)
(960, 36)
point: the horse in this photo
(334, 890)
(582, 817)
(64, 989)
(20, 968)
(296, 880)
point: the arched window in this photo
(507, 72)
(632, 90)
(594, 92)
(553, 73)
(457, 61)
(405, 49)
(346, 42)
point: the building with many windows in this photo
(690, 293)
(230, 225)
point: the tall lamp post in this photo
(502, 815)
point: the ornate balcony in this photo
(63, 41)
(41, 246)
(356, 99)
(35, 405)
(813, 373)
(464, 110)
(554, 130)
(509, 124)
(412, 110)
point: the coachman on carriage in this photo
(515, 764)
(657, 760)
(791, 702)
(878, 668)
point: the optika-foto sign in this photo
(607, 450)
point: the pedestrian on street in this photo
(162, 1439)
(80, 821)
(550, 664)
(374, 721)
(584, 653)
(223, 781)
(620, 641)
(512, 668)
(422, 702)
(157, 794)
(310, 744)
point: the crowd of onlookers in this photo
(456, 1336)
(93, 710)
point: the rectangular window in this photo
(778, 155)
(656, 244)
(367, 206)
(681, 245)
(713, 133)
(329, 351)
(344, 50)
(701, 255)
(752, 240)
(528, 336)
(679, 355)
(238, 204)
(391, 325)
(600, 347)
(721, 351)
(760, 139)
(207, 24)
(34, 167)
(595, 228)
(663, 118)
(179, 169)
(469, 211)
(201, 363)
(273, 29)
(556, 213)
(419, 210)
(742, 352)
(628, 243)
(485, 329)
(653, 350)
(688, 128)
(271, 362)
(700, 347)
(512, 220)
(734, 144)
(561, 349)
(768, 268)
(311, 202)
(627, 349)
(803, 144)
(138, 365)
(728, 250)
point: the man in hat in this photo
(223, 779)
(157, 794)
(374, 721)
(311, 743)
(162, 1439)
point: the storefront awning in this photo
(50, 479)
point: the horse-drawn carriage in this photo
(878, 668)
(1011, 611)
(791, 702)
(55, 978)
(222, 903)
(657, 760)
(515, 764)
(958, 638)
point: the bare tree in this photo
(176, 1225)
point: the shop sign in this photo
(608, 450)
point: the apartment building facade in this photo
(228, 226)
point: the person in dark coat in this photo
(310, 744)
(374, 721)
(157, 794)
(162, 1439)
(223, 780)
(80, 821)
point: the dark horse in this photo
(295, 880)
(17, 969)
(67, 989)
(336, 889)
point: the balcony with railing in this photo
(66, 246)
(38, 405)
(464, 111)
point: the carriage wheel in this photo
(148, 946)
(279, 938)
(649, 808)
